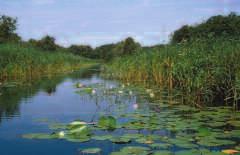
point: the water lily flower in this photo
(61, 134)
(123, 86)
(78, 123)
(148, 90)
(130, 92)
(135, 106)
(149, 142)
(120, 91)
(93, 91)
(79, 85)
(152, 95)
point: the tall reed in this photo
(203, 71)
(22, 61)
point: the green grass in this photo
(20, 61)
(205, 72)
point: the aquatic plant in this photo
(20, 61)
(200, 72)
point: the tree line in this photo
(216, 26)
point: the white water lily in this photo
(135, 106)
(79, 85)
(148, 90)
(120, 91)
(152, 95)
(61, 134)
(130, 92)
(93, 91)
(78, 123)
(123, 86)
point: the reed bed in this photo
(19, 61)
(205, 72)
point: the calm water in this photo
(30, 107)
(23, 110)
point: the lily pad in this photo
(120, 140)
(104, 137)
(136, 150)
(40, 136)
(107, 122)
(160, 146)
(91, 151)
(163, 153)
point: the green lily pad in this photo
(211, 142)
(120, 140)
(104, 137)
(77, 138)
(40, 136)
(188, 152)
(57, 126)
(107, 122)
(137, 150)
(83, 130)
(91, 151)
(160, 146)
(163, 153)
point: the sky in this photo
(98, 22)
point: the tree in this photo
(47, 43)
(105, 52)
(82, 50)
(129, 46)
(216, 26)
(8, 26)
(183, 34)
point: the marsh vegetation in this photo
(180, 98)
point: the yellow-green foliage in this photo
(204, 71)
(22, 61)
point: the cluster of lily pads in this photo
(163, 130)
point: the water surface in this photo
(32, 107)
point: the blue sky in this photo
(98, 22)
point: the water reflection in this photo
(12, 96)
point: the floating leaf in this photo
(160, 146)
(120, 140)
(91, 151)
(163, 153)
(107, 122)
(40, 136)
(230, 151)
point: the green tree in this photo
(129, 46)
(47, 43)
(105, 52)
(82, 50)
(8, 26)
(183, 34)
(216, 26)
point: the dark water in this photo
(27, 109)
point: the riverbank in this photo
(20, 61)
(204, 72)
